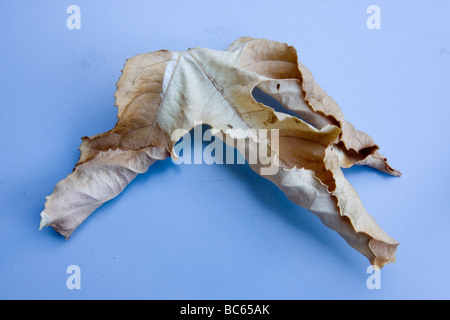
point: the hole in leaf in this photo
(266, 99)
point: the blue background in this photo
(221, 231)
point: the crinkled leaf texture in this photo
(163, 91)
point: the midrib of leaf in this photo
(218, 88)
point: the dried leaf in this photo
(162, 95)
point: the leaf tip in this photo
(45, 220)
(384, 252)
